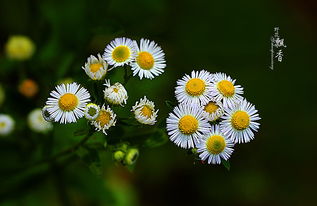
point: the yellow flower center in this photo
(145, 60)
(240, 120)
(215, 144)
(2, 124)
(188, 124)
(211, 107)
(146, 111)
(195, 87)
(103, 118)
(95, 67)
(226, 88)
(115, 90)
(121, 53)
(68, 102)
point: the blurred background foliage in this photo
(277, 168)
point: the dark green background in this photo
(277, 168)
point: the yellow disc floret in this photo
(211, 107)
(145, 60)
(95, 67)
(103, 118)
(146, 111)
(240, 120)
(195, 87)
(115, 90)
(188, 124)
(215, 144)
(226, 88)
(68, 102)
(121, 53)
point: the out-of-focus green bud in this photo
(118, 155)
(19, 47)
(131, 156)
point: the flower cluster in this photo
(211, 115)
(70, 101)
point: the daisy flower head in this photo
(119, 52)
(6, 124)
(213, 110)
(223, 89)
(95, 67)
(194, 89)
(186, 124)
(105, 119)
(149, 61)
(67, 102)
(115, 94)
(144, 111)
(37, 123)
(239, 122)
(91, 111)
(215, 146)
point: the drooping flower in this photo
(105, 119)
(144, 111)
(115, 94)
(95, 67)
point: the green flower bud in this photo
(118, 155)
(132, 156)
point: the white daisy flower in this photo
(115, 94)
(68, 102)
(239, 122)
(6, 124)
(223, 89)
(105, 119)
(215, 146)
(37, 123)
(186, 125)
(119, 52)
(150, 60)
(144, 111)
(92, 111)
(95, 67)
(46, 115)
(213, 110)
(194, 89)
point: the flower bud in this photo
(131, 156)
(118, 155)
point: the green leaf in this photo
(226, 164)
